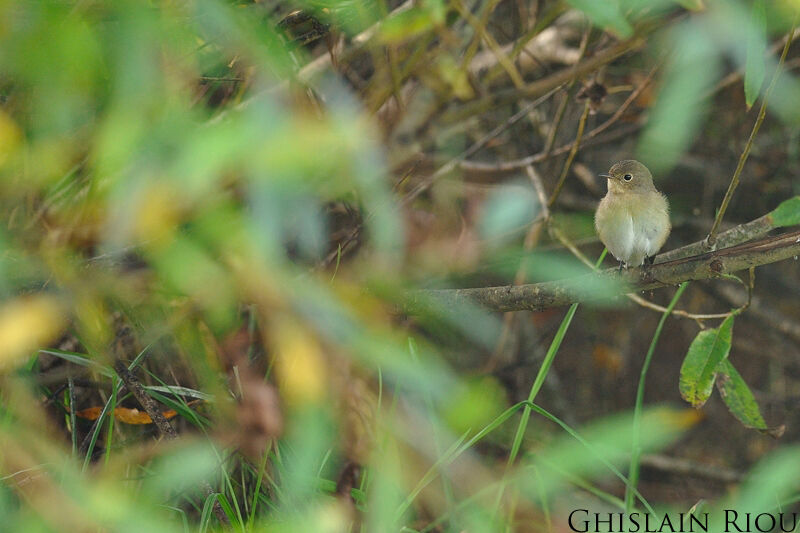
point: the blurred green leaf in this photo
(737, 396)
(183, 468)
(605, 14)
(474, 404)
(680, 107)
(756, 51)
(407, 24)
(772, 480)
(784, 100)
(692, 5)
(787, 213)
(507, 212)
(699, 366)
(612, 439)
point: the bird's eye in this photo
(627, 177)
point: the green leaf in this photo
(611, 441)
(606, 14)
(699, 368)
(692, 5)
(406, 25)
(737, 396)
(787, 213)
(773, 479)
(508, 212)
(755, 66)
(692, 70)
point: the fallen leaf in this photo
(126, 415)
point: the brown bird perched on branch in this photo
(633, 217)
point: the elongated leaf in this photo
(679, 109)
(611, 438)
(80, 359)
(772, 480)
(605, 14)
(692, 5)
(699, 368)
(737, 396)
(756, 50)
(787, 213)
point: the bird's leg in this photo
(621, 264)
(649, 259)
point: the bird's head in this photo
(629, 176)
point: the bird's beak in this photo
(607, 176)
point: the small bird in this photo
(633, 217)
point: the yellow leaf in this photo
(300, 365)
(135, 416)
(158, 215)
(27, 323)
(9, 137)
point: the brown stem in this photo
(571, 157)
(164, 427)
(711, 240)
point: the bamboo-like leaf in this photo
(692, 5)
(738, 397)
(676, 117)
(787, 213)
(606, 14)
(699, 368)
(755, 66)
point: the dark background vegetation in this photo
(221, 206)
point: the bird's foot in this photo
(649, 259)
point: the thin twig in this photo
(520, 44)
(571, 157)
(453, 163)
(684, 467)
(480, 28)
(544, 85)
(712, 235)
(512, 166)
(508, 166)
(562, 107)
(472, 48)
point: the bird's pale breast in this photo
(633, 225)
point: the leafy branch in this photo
(677, 269)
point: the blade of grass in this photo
(72, 421)
(205, 517)
(80, 359)
(574, 434)
(229, 512)
(108, 407)
(116, 385)
(497, 422)
(437, 436)
(537, 384)
(448, 458)
(257, 490)
(429, 476)
(633, 471)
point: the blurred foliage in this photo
(181, 193)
